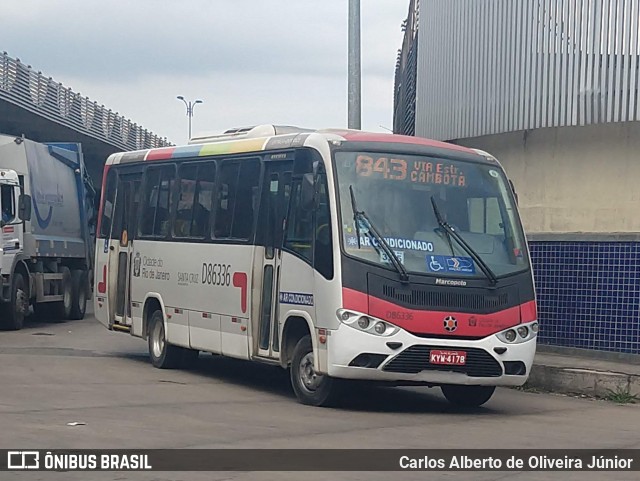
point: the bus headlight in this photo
(510, 335)
(365, 323)
(519, 334)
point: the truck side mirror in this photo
(308, 191)
(24, 207)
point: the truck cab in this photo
(15, 208)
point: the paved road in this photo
(53, 374)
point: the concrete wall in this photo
(573, 179)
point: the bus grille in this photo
(479, 363)
(435, 298)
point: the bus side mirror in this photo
(308, 192)
(24, 207)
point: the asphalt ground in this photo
(53, 374)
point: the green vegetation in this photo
(621, 396)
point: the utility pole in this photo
(354, 108)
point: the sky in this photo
(251, 62)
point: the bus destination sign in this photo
(415, 171)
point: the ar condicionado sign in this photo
(418, 171)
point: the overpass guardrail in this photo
(21, 85)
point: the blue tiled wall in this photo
(588, 294)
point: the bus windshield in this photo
(415, 202)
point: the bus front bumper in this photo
(405, 358)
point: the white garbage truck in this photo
(47, 206)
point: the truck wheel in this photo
(17, 308)
(467, 396)
(78, 294)
(163, 355)
(310, 387)
(42, 311)
(62, 309)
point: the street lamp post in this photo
(190, 106)
(354, 107)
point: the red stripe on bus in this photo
(160, 154)
(356, 300)
(433, 322)
(402, 139)
(102, 285)
(240, 280)
(529, 311)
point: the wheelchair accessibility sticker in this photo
(453, 265)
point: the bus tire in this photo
(163, 355)
(16, 309)
(467, 396)
(311, 388)
(78, 294)
(62, 309)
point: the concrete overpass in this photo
(43, 110)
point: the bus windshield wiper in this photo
(371, 231)
(463, 243)
(441, 223)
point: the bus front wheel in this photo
(467, 396)
(310, 387)
(163, 355)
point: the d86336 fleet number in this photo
(216, 274)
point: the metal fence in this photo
(32, 91)
(494, 66)
(404, 93)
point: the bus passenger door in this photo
(275, 202)
(124, 226)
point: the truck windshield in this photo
(404, 196)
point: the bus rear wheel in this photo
(163, 355)
(467, 396)
(310, 387)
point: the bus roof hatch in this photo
(266, 130)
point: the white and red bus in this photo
(337, 254)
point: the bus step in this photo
(121, 327)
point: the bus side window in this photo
(120, 209)
(156, 201)
(323, 247)
(299, 235)
(246, 200)
(109, 200)
(235, 212)
(203, 203)
(195, 201)
(186, 193)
